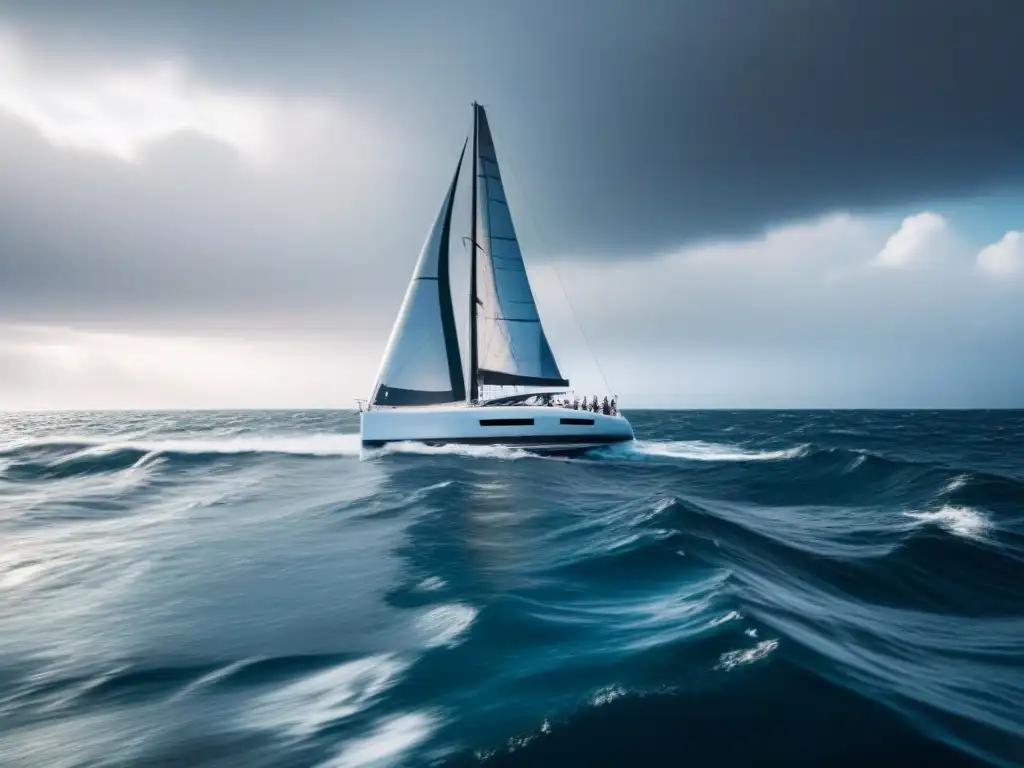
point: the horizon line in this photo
(338, 409)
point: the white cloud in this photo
(914, 242)
(792, 318)
(48, 367)
(1005, 257)
(120, 110)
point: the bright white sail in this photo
(512, 346)
(422, 364)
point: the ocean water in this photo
(737, 588)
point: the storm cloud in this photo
(637, 126)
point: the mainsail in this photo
(512, 348)
(422, 364)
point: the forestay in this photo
(422, 364)
(513, 349)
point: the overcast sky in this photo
(741, 203)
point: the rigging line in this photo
(558, 277)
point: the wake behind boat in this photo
(420, 394)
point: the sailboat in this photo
(421, 394)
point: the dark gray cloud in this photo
(638, 126)
(193, 238)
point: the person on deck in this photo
(593, 404)
(606, 407)
(575, 403)
(615, 405)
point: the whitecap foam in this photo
(649, 513)
(698, 450)
(444, 625)
(607, 695)
(431, 584)
(387, 743)
(956, 483)
(455, 449)
(730, 616)
(662, 505)
(493, 486)
(960, 521)
(623, 542)
(147, 459)
(319, 444)
(857, 461)
(16, 574)
(211, 678)
(305, 707)
(742, 656)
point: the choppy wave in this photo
(224, 589)
(98, 445)
(962, 521)
(698, 450)
(454, 449)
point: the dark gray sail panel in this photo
(422, 364)
(394, 396)
(501, 379)
(444, 292)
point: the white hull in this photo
(535, 428)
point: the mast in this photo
(473, 389)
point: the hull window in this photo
(577, 422)
(506, 422)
